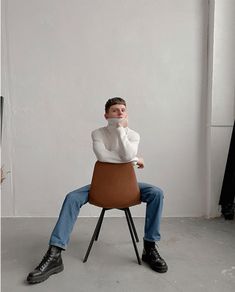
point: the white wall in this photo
(63, 59)
(221, 95)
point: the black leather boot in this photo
(50, 264)
(152, 257)
(228, 211)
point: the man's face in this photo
(116, 111)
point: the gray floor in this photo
(200, 254)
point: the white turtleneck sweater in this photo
(115, 144)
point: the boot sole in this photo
(159, 270)
(44, 277)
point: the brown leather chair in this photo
(114, 185)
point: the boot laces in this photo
(45, 261)
(155, 252)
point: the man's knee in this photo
(73, 198)
(157, 193)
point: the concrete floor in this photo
(200, 254)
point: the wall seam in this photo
(8, 107)
(210, 55)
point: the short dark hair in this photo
(113, 101)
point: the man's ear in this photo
(105, 115)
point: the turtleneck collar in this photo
(112, 123)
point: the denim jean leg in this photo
(68, 216)
(153, 196)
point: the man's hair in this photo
(113, 101)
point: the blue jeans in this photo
(74, 200)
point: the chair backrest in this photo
(114, 185)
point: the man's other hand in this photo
(140, 163)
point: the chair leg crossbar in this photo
(131, 227)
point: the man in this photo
(114, 143)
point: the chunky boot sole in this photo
(153, 267)
(45, 276)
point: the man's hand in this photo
(123, 123)
(140, 163)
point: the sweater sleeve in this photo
(102, 154)
(128, 144)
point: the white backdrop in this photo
(64, 59)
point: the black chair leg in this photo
(98, 231)
(95, 234)
(132, 235)
(133, 225)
